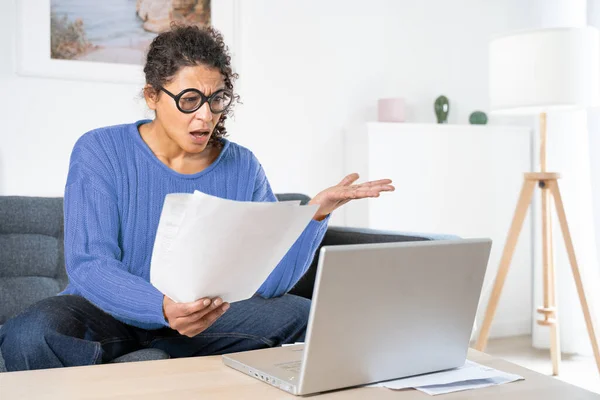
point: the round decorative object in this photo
(442, 108)
(478, 118)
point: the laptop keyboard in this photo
(292, 366)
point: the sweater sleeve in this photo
(299, 257)
(93, 255)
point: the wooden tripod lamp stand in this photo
(532, 72)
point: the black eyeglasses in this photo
(190, 100)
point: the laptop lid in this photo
(390, 310)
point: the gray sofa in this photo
(32, 261)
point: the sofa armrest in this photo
(338, 235)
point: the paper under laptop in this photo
(207, 246)
(470, 376)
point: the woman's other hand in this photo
(190, 319)
(340, 194)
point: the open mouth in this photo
(199, 133)
(200, 136)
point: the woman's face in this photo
(192, 131)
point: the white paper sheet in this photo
(469, 376)
(207, 246)
(468, 385)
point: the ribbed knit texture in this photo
(114, 196)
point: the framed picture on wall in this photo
(106, 40)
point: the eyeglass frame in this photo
(203, 99)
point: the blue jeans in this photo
(65, 331)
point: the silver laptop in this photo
(379, 312)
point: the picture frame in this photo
(33, 46)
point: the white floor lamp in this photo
(532, 72)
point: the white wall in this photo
(594, 132)
(42, 118)
(320, 66)
(593, 12)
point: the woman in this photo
(117, 182)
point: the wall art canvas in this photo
(106, 40)
(116, 31)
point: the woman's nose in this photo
(204, 112)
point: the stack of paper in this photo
(469, 376)
(207, 246)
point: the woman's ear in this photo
(151, 97)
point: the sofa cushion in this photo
(18, 293)
(293, 196)
(31, 252)
(142, 355)
(20, 214)
(25, 254)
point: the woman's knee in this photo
(289, 312)
(299, 305)
(32, 322)
(29, 329)
(24, 335)
(41, 336)
(292, 317)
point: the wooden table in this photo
(208, 377)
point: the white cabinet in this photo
(451, 179)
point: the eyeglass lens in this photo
(191, 101)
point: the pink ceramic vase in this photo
(391, 110)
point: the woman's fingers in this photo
(173, 311)
(359, 192)
(377, 182)
(372, 185)
(192, 327)
(349, 179)
(353, 177)
(217, 303)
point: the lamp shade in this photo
(540, 70)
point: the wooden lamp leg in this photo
(560, 210)
(549, 310)
(509, 248)
(554, 330)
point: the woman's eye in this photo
(191, 99)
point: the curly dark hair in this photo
(184, 46)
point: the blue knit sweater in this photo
(114, 195)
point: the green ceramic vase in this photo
(442, 108)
